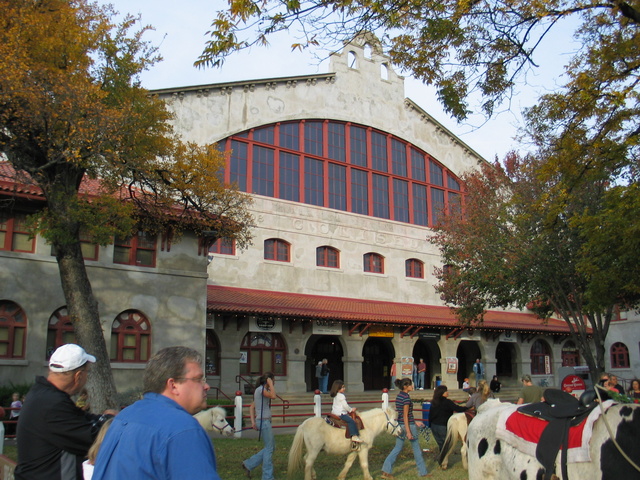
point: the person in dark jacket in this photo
(54, 435)
(441, 410)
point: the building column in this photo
(352, 363)
(448, 348)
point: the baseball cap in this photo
(69, 357)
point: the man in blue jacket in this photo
(157, 437)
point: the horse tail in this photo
(449, 442)
(295, 454)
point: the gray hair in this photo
(168, 363)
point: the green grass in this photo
(231, 451)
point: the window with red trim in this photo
(13, 330)
(540, 358)
(619, 355)
(570, 355)
(13, 233)
(60, 330)
(130, 337)
(373, 263)
(87, 247)
(265, 352)
(139, 250)
(414, 268)
(212, 359)
(327, 257)
(223, 246)
(276, 249)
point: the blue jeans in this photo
(264, 456)
(325, 384)
(421, 380)
(439, 434)
(387, 467)
(353, 427)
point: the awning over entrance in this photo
(245, 301)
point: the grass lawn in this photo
(230, 452)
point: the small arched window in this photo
(60, 330)
(130, 337)
(277, 249)
(352, 60)
(367, 51)
(13, 330)
(373, 263)
(619, 355)
(384, 71)
(327, 257)
(414, 268)
(540, 358)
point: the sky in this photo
(180, 28)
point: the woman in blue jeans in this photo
(404, 406)
(260, 413)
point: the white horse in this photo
(317, 435)
(214, 420)
(456, 430)
(492, 458)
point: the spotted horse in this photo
(495, 452)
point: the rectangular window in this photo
(264, 135)
(313, 181)
(337, 187)
(418, 171)
(139, 250)
(437, 205)
(400, 200)
(399, 158)
(435, 173)
(289, 177)
(379, 160)
(380, 191)
(223, 246)
(420, 205)
(238, 164)
(359, 192)
(13, 233)
(313, 138)
(262, 177)
(455, 204)
(87, 247)
(337, 142)
(358, 154)
(290, 136)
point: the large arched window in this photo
(619, 355)
(212, 359)
(130, 337)
(263, 352)
(13, 330)
(540, 358)
(343, 166)
(60, 330)
(373, 263)
(276, 249)
(327, 257)
(570, 355)
(414, 268)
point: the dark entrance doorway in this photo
(467, 353)
(505, 355)
(319, 347)
(428, 350)
(378, 354)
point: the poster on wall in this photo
(243, 357)
(452, 365)
(406, 366)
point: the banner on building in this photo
(452, 365)
(406, 364)
(265, 324)
(326, 327)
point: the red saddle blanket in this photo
(523, 432)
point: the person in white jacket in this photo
(342, 409)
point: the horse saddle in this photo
(337, 422)
(562, 411)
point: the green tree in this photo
(72, 109)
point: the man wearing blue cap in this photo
(53, 434)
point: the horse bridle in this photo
(389, 422)
(221, 429)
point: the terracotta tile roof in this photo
(294, 305)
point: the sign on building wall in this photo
(380, 331)
(508, 337)
(547, 364)
(429, 335)
(265, 324)
(452, 365)
(406, 364)
(326, 327)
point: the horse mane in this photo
(490, 403)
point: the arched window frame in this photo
(373, 263)
(60, 330)
(212, 357)
(541, 358)
(13, 330)
(570, 354)
(414, 268)
(263, 352)
(277, 250)
(328, 257)
(619, 355)
(130, 337)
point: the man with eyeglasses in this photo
(157, 437)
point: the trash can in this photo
(438, 380)
(426, 408)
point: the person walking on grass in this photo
(342, 409)
(404, 407)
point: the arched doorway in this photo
(317, 348)
(505, 359)
(378, 354)
(428, 350)
(467, 353)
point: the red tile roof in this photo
(296, 305)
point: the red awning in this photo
(294, 305)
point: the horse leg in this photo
(309, 459)
(463, 454)
(364, 463)
(347, 465)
